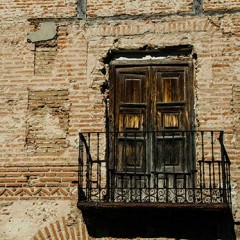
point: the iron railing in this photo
(164, 167)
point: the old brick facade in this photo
(50, 91)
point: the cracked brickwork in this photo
(47, 108)
(219, 5)
(51, 90)
(111, 8)
(45, 55)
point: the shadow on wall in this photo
(153, 223)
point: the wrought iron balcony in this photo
(148, 168)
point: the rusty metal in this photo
(175, 167)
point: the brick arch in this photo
(63, 230)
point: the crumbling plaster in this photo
(21, 219)
(133, 41)
(46, 31)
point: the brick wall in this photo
(38, 180)
(19, 10)
(45, 108)
(111, 7)
(43, 113)
(216, 5)
(45, 55)
(50, 91)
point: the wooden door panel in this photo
(131, 119)
(171, 107)
(131, 99)
(131, 155)
(172, 111)
(170, 86)
(170, 154)
(169, 118)
(131, 87)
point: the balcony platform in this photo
(153, 220)
(137, 205)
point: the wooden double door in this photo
(151, 108)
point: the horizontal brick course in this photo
(221, 5)
(40, 161)
(136, 7)
(33, 9)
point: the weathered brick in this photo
(70, 179)
(50, 91)
(50, 179)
